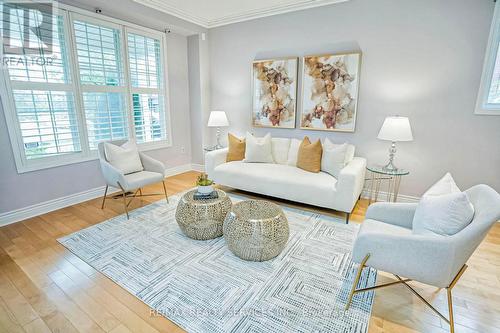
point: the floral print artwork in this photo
(330, 92)
(274, 93)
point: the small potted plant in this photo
(204, 184)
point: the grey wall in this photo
(21, 190)
(421, 59)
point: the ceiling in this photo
(214, 13)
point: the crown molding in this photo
(163, 6)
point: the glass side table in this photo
(378, 173)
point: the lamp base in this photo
(392, 152)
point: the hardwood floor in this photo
(45, 288)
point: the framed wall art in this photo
(274, 92)
(330, 85)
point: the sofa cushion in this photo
(280, 148)
(236, 148)
(334, 158)
(258, 150)
(277, 180)
(309, 157)
(293, 153)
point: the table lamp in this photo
(218, 119)
(395, 129)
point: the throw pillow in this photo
(124, 158)
(258, 150)
(443, 214)
(309, 157)
(445, 185)
(280, 146)
(443, 209)
(236, 148)
(293, 153)
(335, 157)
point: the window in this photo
(489, 91)
(103, 80)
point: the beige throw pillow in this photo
(309, 157)
(236, 151)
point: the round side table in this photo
(256, 230)
(379, 173)
(202, 219)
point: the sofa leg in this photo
(347, 215)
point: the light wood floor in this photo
(45, 288)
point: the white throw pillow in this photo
(334, 158)
(445, 185)
(443, 214)
(125, 157)
(293, 153)
(280, 147)
(443, 209)
(258, 150)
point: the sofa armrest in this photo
(400, 214)
(150, 164)
(350, 183)
(213, 159)
(111, 174)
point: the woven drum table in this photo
(202, 219)
(256, 230)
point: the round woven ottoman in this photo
(256, 230)
(202, 219)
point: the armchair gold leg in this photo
(165, 190)
(356, 280)
(104, 197)
(124, 195)
(450, 321)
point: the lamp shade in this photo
(396, 129)
(217, 119)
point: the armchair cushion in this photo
(443, 214)
(140, 179)
(124, 158)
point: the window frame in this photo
(70, 13)
(482, 105)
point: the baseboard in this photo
(72, 199)
(198, 167)
(383, 195)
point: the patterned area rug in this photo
(203, 287)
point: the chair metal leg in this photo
(356, 280)
(347, 215)
(165, 190)
(450, 310)
(450, 320)
(124, 195)
(104, 197)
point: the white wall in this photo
(421, 59)
(22, 190)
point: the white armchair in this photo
(154, 172)
(386, 242)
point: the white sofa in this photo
(289, 182)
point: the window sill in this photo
(69, 160)
(487, 112)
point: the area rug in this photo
(203, 287)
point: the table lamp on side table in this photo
(395, 129)
(218, 119)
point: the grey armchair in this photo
(386, 242)
(154, 172)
